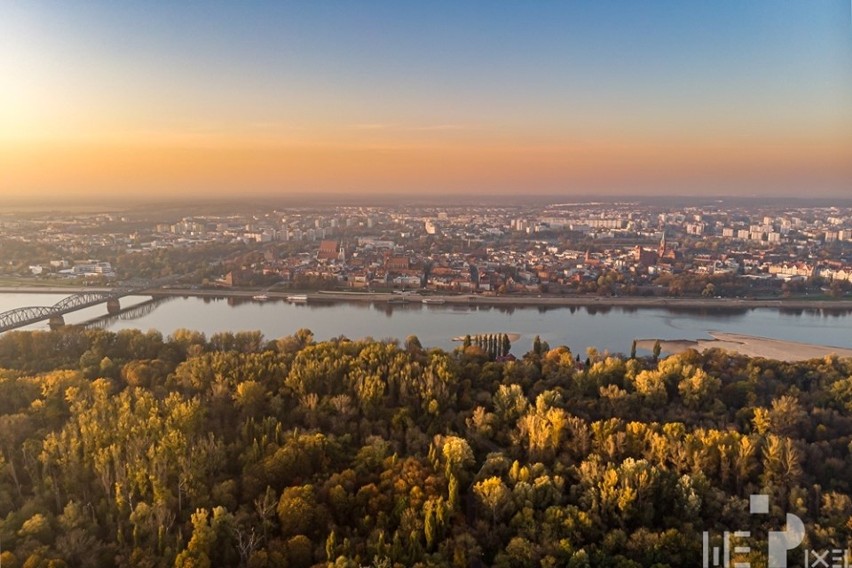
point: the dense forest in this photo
(132, 449)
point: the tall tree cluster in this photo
(493, 345)
(135, 449)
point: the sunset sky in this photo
(186, 99)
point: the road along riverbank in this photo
(479, 299)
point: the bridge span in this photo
(21, 317)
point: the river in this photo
(611, 329)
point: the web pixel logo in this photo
(778, 544)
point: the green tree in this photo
(412, 344)
(458, 456)
(506, 345)
(537, 345)
(197, 552)
(494, 496)
(655, 352)
(699, 390)
(298, 511)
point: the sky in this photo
(185, 99)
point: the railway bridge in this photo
(20, 317)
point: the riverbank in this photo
(750, 346)
(606, 329)
(527, 300)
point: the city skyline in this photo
(268, 99)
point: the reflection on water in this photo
(720, 311)
(135, 312)
(605, 327)
(592, 310)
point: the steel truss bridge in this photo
(20, 317)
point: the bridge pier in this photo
(20, 317)
(113, 306)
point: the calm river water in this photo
(612, 329)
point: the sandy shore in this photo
(749, 345)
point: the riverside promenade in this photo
(475, 299)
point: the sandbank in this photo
(749, 345)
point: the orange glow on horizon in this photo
(222, 166)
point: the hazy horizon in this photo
(261, 100)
